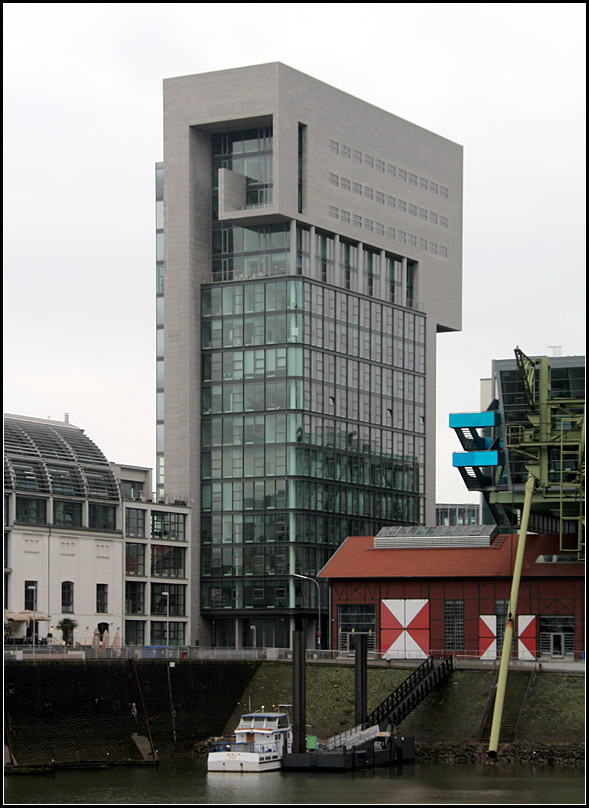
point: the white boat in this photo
(261, 739)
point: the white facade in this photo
(85, 539)
(46, 560)
(63, 545)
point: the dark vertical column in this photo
(298, 691)
(361, 668)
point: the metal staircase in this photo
(410, 693)
(390, 712)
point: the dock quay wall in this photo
(80, 710)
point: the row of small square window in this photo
(391, 201)
(391, 170)
(392, 232)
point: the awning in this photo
(25, 616)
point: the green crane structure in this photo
(531, 467)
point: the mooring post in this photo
(298, 692)
(361, 666)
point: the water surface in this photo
(187, 782)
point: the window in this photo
(454, 625)
(67, 514)
(135, 559)
(31, 511)
(31, 595)
(501, 609)
(131, 489)
(134, 632)
(134, 597)
(101, 517)
(169, 526)
(67, 597)
(135, 523)
(176, 595)
(176, 633)
(167, 562)
(102, 598)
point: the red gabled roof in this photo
(357, 558)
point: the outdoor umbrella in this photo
(96, 639)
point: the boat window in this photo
(259, 722)
(283, 721)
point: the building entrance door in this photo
(557, 645)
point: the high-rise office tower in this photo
(309, 250)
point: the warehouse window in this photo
(454, 625)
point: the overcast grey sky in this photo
(83, 130)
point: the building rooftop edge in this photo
(278, 66)
(50, 421)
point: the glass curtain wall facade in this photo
(312, 405)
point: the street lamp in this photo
(33, 589)
(307, 578)
(166, 595)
